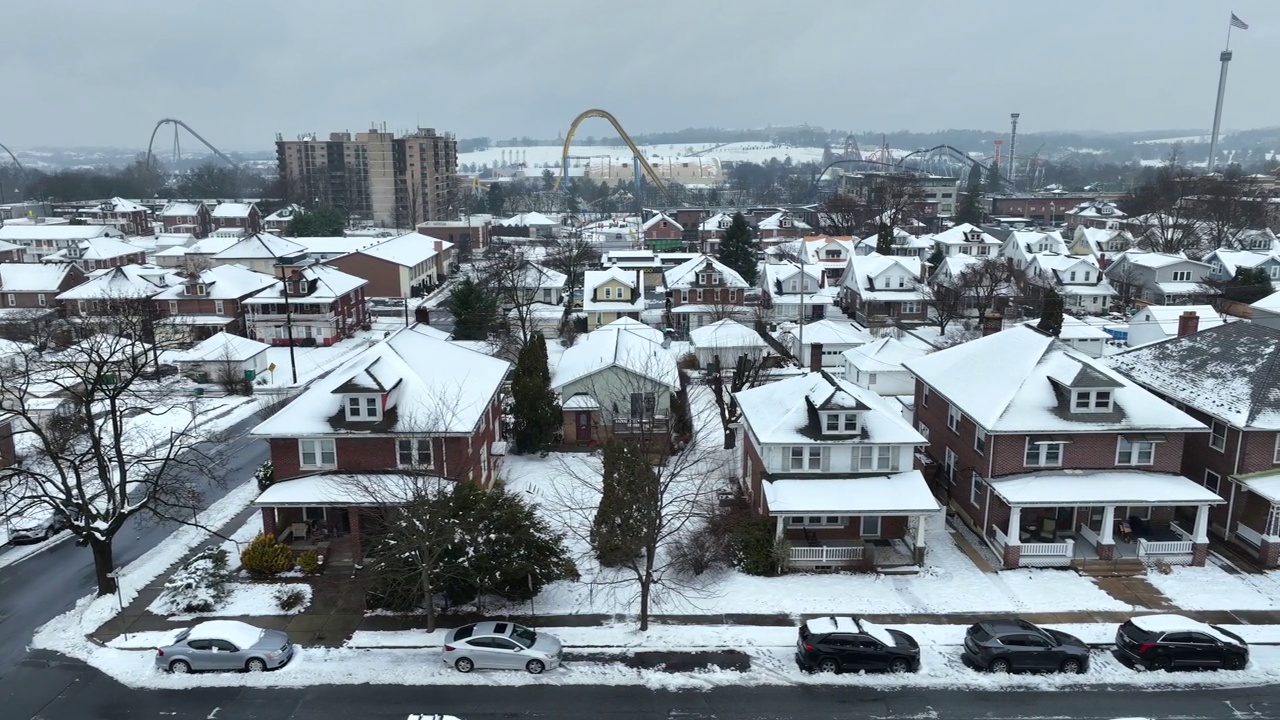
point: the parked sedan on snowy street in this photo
(500, 645)
(225, 645)
(1174, 642)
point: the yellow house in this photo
(611, 294)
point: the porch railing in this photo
(1249, 535)
(1038, 554)
(824, 555)
(1088, 534)
(1183, 534)
(1064, 549)
(1171, 551)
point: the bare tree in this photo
(843, 215)
(128, 448)
(894, 198)
(945, 303)
(572, 256)
(517, 282)
(1228, 207)
(985, 281)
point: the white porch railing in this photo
(1183, 534)
(1249, 535)
(1174, 552)
(1088, 534)
(826, 555)
(1001, 539)
(1038, 554)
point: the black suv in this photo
(1168, 642)
(836, 644)
(1013, 644)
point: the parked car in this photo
(1168, 642)
(500, 645)
(36, 525)
(225, 645)
(836, 644)
(1014, 644)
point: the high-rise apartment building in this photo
(386, 180)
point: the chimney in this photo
(439, 245)
(1188, 323)
(815, 357)
(992, 323)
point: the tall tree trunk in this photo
(431, 603)
(103, 566)
(646, 585)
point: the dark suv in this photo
(1013, 644)
(1168, 642)
(836, 644)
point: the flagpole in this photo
(1229, 26)
(1225, 58)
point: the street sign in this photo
(271, 367)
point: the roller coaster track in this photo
(196, 135)
(568, 138)
(15, 160)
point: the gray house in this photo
(1158, 278)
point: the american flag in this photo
(1238, 23)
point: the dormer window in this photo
(840, 423)
(1106, 210)
(974, 236)
(784, 222)
(364, 408)
(1091, 401)
(725, 223)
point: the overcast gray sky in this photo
(82, 72)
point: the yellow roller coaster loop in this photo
(640, 159)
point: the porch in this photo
(1254, 521)
(1064, 519)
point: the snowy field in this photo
(548, 156)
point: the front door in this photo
(583, 425)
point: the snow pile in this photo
(241, 600)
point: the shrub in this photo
(265, 475)
(290, 598)
(309, 562)
(687, 361)
(699, 552)
(265, 556)
(200, 586)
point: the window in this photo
(875, 457)
(173, 307)
(842, 422)
(871, 527)
(1275, 455)
(1218, 436)
(1135, 452)
(1043, 453)
(1087, 273)
(1274, 272)
(608, 293)
(816, 520)
(413, 453)
(643, 406)
(924, 396)
(953, 418)
(1084, 401)
(911, 307)
(871, 378)
(40, 300)
(795, 287)
(924, 430)
(317, 453)
(218, 306)
(1072, 276)
(366, 406)
(1182, 276)
(975, 490)
(805, 458)
(1211, 480)
(949, 465)
(980, 440)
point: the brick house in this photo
(315, 305)
(831, 462)
(244, 217)
(30, 291)
(703, 290)
(879, 288)
(782, 225)
(404, 266)
(12, 252)
(413, 405)
(211, 301)
(662, 233)
(99, 254)
(103, 290)
(1227, 377)
(278, 222)
(44, 239)
(1095, 214)
(187, 218)
(126, 216)
(260, 251)
(1055, 459)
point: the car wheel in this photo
(464, 665)
(1162, 663)
(899, 665)
(255, 665)
(828, 665)
(999, 665)
(180, 667)
(535, 667)
(1071, 666)
(1236, 662)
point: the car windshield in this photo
(524, 636)
(464, 632)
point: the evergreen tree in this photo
(970, 210)
(884, 238)
(324, 221)
(993, 178)
(1051, 313)
(496, 199)
(535, 411)
(627, 515)
(738, 249)
(474, 310)
(935, 258)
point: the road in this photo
(47, 584)
(49, 688)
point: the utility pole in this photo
(288, 319)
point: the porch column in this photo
(1200, 537)
(1015, 525)
(919, 550)
(778, 533)
(1106, 539)
(357, 552)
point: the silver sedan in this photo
(500, 645)
(224, 645)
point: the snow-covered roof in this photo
(1231, 372)
(1031, 240)
(659, 218)
(330, 284)
(100, 248)
(883, 355)
(529, 219)
(223, 346)
(20, 233)
(242, 635)
(580, 401)
(533, 275)
(124, 282)
(1054, 262)
(622, 347)
(32, 277)
(233, 210)
(593, 279)
(1265, 483)
(1016, 380)
(1234, 260)
(260, 246)
(862, 269)
(1098, 238)
(224, 282)
(1154, 260)
(715, 222)
(726, 334)
(834, 332)
(776, 276)
(959, 235)
(407, 250)
(207, 246)
(779, 412)
(1076, 329)
(1101, 487)
(1097, 208)
(285, 213)
(181, 209)
(898, 494)
(685, 275)
(1166, 316)
(434, 386)
(774, 222)
(1270, 303)
(346, 489)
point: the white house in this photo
(1022, 244)
(1077, 279)
(1076, 333)
(728, 340)
(1160, 322)
(877, 366)
(829, 337)
(878, 287)
(967, 239)
(222, 357)
(790, 291)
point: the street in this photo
(48, 687)
(49, 583)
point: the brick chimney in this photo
(992, 323)
(1188, 323)
(815, 357)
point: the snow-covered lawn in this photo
(1212, 588)
(243, 600)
